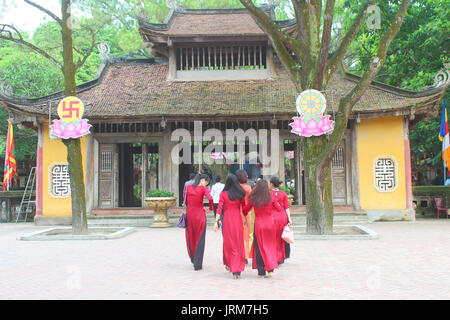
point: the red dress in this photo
(196, 223)
(264, 241)
(280, 218)
(233, 235)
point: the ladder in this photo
(28, 204)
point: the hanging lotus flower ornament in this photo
(70, 125)
(311, 104)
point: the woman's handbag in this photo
(182, 221)
(288, 234)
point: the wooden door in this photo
(338, 176)
(106, 176)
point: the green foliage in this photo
(415, 56)
(156, 193)
(285, 189)
(137, 191)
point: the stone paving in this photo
(411, 260)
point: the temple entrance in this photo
(130, 174)
(126, 172)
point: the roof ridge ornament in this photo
(442, 78)
(6, 88)
(173, 4)
(104, 52)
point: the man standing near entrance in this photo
(215, 193)
(189, 182)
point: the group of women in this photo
(252, 220)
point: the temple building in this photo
(216, 69)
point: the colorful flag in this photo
(444, 136)
(10, 160)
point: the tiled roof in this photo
(207, 22)
(217, 24)
(141, 90)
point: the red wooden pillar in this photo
(408, 171)
(39, 170)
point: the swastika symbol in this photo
(71, 109)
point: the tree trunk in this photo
(74, 158)
(319, 205)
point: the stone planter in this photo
(160, 206)
(290, 199)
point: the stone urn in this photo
(290, 199)
(160, 205)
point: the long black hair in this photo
(260, 195)
(242, 176)
(235, 191)
(199, 177)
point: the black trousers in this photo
(197, 259)
(259, 259)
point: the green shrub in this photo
(285, 189)
(159, 193)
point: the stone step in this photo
(147, 220)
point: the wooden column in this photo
(39, 170)
(144, 173)
(355, 168)
(408, 170)
(89, 174)
(298, 178)
(172, 63)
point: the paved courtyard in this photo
(411, 260)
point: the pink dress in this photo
(280, 218)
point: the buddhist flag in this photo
(10, 160)
(445, 137)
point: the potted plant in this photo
(289, 194)
(160, 201)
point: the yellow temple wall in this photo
(381, 137)
(54, 151)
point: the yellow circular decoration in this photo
(71, 109)
(311, 102)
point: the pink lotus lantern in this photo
(290, 154)
(218, 155)
(71, 130)
(311, 105)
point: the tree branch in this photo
(326, 41)
(338, 55)
(48, 12)
(85, 56)
(346, 103)
(6, 34)
(281, 41)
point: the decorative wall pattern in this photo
(59, 180)
(385, 174)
